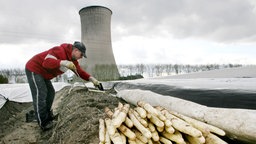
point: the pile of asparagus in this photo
(154, 125)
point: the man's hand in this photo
(68, 64)
(94, 81)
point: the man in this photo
(44, 66)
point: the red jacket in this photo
(48, 65)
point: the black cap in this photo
(81, 47)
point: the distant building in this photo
(96, 35)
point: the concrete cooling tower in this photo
(96, 35)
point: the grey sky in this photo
(216, 27)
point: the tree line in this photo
(16, 75)
(150, 70)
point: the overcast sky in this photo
(143, 31)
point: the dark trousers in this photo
(43, 94)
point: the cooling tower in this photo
(96, 35)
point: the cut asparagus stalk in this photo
(176, 136)
(164, 140)
(182, 126)
(140, 119)
(140, 136)
(102, 130)
(127, 132)
(142, 112)
(155, 136)
(116, 138)
(107, 138)
(110, 128)
(120, 118)
(138, 125)
(204, 127)
(196, 140)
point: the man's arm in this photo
(51, 62)
(83, 74)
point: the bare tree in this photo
(168, 69)
(176, 68)
(140, 68)
(159, 69)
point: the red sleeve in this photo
(83, 74)
(51, 63)
(52, 59)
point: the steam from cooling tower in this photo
(96, 35)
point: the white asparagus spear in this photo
(204, 127)
(160, 129)
(102, 130)
(138, 141)
(151, 109)
(123, 137)
(142, 112)
(140, 136)
(176, 136)
(107, 138)
(164, 140)
(138, 125)
(155, 136)
(167, 123)
(147, 107)
(155, 120)
(120, 118)
(131, 141)
(127, 121)
(195, 140)
(169, 129)
(182, 126)
(127, 132)
(157, 142)
(120, 105)
(160, 115)
(151, 126)
(116, 138)
(110, 128)
(140, 119)
(150, 141)
(116, 112)
(108, 112)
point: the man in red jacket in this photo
(44, 66)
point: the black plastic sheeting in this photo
(224, 98)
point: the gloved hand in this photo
(68, 64)
(94, 81)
